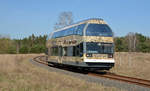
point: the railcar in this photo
(87, 44)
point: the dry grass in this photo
(18, 74)
(133, 64)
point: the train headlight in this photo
(110, 55)
(88, 55)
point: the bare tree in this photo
(64, 19)
(18, 45)
(132, 41)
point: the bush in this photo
(24, 50)
(12, 50)
(37, 49)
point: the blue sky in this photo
(21, 18)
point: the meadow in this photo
(17, 73)
(132, 64)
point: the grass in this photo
(18, 74)
(132, 64)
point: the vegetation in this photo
(133, 42)
(32, 44)
(133, 64)
(18, 74)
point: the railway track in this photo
(132, 80)
(41, 59)
(108, 75)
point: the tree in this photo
(5, 44)
(17, 43)
(143, 44)
(38, 49)
(132, 41)
(120, 44)
(24, 50)
(64, 19)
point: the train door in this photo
(60, 54)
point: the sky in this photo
(21, 18)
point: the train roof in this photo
(91, 20)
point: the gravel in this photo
(103, 81)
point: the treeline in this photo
(32, 44)
(132, 42)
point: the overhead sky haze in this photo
(21, 18)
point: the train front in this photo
(98, 46)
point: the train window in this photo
(66, 32)
(77, 30)
(78, 50)
(107, 48)
(72, 29)
(59, 34)
(70, 51)
(56, 34)
(81, 50)
(99, 30)
(63, 33)
(101, 48)
(69, 32)
(74, 50)
(54, 51)
(59, 51)
(92, 47)
(80, 29)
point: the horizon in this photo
(20, 19)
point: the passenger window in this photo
(70, 51)
(80, 29)
(54, 51)
(78, 50)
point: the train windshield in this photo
(99, 48)
(99, 30)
